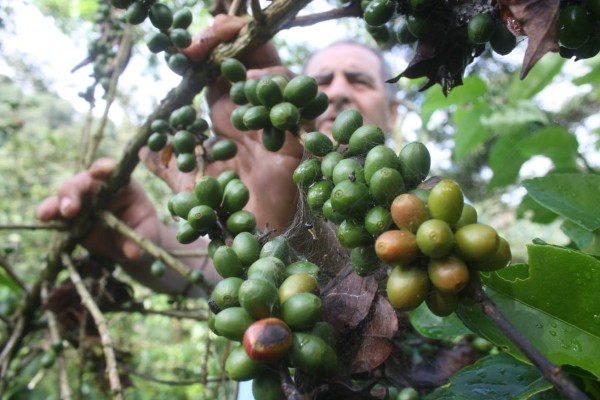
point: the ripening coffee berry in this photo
(267, 340)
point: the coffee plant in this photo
(404, 257)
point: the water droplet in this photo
(563, 344)
(553, 324)
(552, 333)
(539, 325)
(576, 346)
(587, 275)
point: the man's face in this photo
(351, 77)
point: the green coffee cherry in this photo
(240, 367)
(161, 16)
(448, 275)
(233, 70)
(225, 293)
(301, 310)
(407, 287)
(345, 124)
(259, 298)
(480, 28)
(246, 247)
(300, 90)
(318, 144)
(446, 201)
(227, 263)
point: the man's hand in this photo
(130, 204)
(267, 175)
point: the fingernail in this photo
(65, 206)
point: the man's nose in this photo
(339, 92)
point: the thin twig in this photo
(188, 252)
(204, 374)
(351, 10)
(54, 226)
(86, 133)
(6, 266)
(65, 389)
(182, 314)
(102, 325)
(121, 59)
(81, 353)
(287, 384)
(236, 8)
(257, 13)
(5, 356)
(223, 377)
(552, 372)
(151, 378)
(155, 251)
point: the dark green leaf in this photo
(534, 211)
(469, 131)
(513, 118)
(497, 377)
(555, 305)
(472, 89)
(8, 282)
(505, 161)
(581, 237)
(538, 78)
(555, 142)
(573, 196)
(432, 326)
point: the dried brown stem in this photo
(151, 378)
(351, 10)
(237, 8)
(552, 372)
(182, 314)
(55, 226)
(204, 374)
(287, 384)
(257, 13)
(155, 251)
(65, 389)
(121, 58)
(107, 345)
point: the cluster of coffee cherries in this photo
(172, 34)
(579, 29)
(274, 103)
(182, 132)
(578, 25)
(425, 233)
(265, 301)
(102, 51)
(272, 307)
(421, 19)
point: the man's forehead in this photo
(345, 56)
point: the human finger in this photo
(224, 29)
(102, 168)
(48, 209)
(256, 73)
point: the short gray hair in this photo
(391, 89)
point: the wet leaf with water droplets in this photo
(552, 304)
